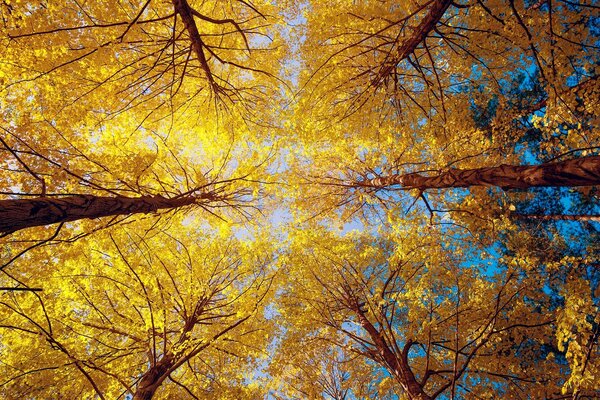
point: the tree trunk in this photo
(577, 172)
(558, 217)
(152, 378)
(419, 33)
(186, 13)
(399, 367)
(25, 213)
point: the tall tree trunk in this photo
(25, 213)
(152, 379)
(399, 367)
(186, 12)
(419, 33)
(583, 171)
(558, 217)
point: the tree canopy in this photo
(307, 199)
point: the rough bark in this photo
(577, 172)
(152, 379)
(558, 217)
(25, 213)
(428, 23)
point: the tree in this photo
(120, 93)
(121, 179)
(109, 94)
(25, 213)
(450, 113)
(146, 48)
(180, 181)
(454, 58)
(440, 324)
(105, 135)
(126, 313)
(578, 172)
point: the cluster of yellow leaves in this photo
(577, 335)
(95, 103)
(114, 304)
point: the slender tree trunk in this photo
(186, 13)
(576, 172)
(398, 365)
(558, 217)
(25, 213)
(419, 33)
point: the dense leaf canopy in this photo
(297, 200)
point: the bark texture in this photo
(152, 379)
(558, 217)
(25, 213)
(577, 172)
(428, 23)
